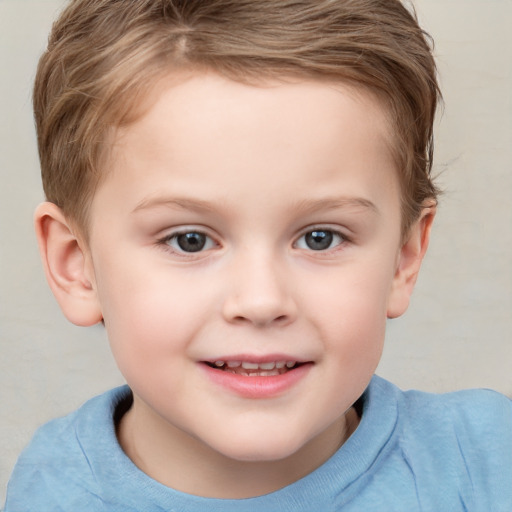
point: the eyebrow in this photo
(335, 203)
(183, 203)
(305, 206)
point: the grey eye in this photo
(192, 241)
(319, 240)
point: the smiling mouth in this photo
(250, 369)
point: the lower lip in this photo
(257, 387)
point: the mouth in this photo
(254, 369)
(253, 377)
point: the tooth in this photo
(290, 364)
(234, 364)
(219, 363)
(250, 366)
(280, 364)
(267, 366)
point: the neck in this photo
(177, 460)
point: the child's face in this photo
(253, 225)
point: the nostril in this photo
(260, 309)
(281, 319)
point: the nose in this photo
(259, 293)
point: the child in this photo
(240, 191)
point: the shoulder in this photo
(55, 468)
(476, 413)
(473, 427)
(458, 443)
(481, 411)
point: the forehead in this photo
(205, 92)
(191, 100)
(213, 132)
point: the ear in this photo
(409, 262)
(67, 266)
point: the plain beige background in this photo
(458, 331)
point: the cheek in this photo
(351, 313)
(355, 331)
(145, 313)
(356, 294)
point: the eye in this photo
(190, 241)
(319, 240)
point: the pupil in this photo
(319, 240)
(191, 242)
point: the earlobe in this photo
(409, 262)
(66, 266)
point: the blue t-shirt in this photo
(411, 452)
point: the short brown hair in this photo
(104, 55)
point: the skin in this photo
(255, 169)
